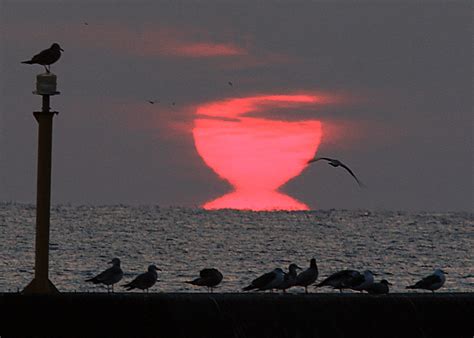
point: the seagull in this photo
(207, 277)
(290, 278)
(362, 281)
(308, 276)
(267, 281)
(380, 288)
(151, 101)
(340, 280)
(432, 282)
(337, 163)
(230, 83)
(47, 57)
(145, 280)
(110, 276)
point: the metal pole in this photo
(41, 282)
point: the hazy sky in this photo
(398, 75)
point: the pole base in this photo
(37, 286)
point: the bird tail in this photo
(27, 62)
(411, 287)
(248, 288)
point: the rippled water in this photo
(398, 246)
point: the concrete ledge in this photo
(237, 315)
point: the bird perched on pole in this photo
(46, 57)
(207, 277)
(336, 163)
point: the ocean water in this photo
(399, 246)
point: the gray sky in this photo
(401, 73)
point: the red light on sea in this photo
(255, 155)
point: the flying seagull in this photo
(110, 276)
(337, 163)
(340, 280)
(145, 280)
(230, 83)
(47, 57)
(380, 288)
(432, 282)
(290, 278)
(152, 101)
(207, 277)
(308, 276)
(267, 281)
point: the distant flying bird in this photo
(267, 281)
(340, 280)
(47, 57)
(290, 278)
(174, 103)
(230, 83)
(308, 276)
(110, 276)
(85, 23)
(152, 101)
(145, 280)
(362, 281)
(208, 277)
(337, 163)
(432, 282)
(380, 288)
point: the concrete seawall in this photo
(237, 315)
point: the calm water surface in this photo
(398, 246)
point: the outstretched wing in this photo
(352, 174)
(320, 158)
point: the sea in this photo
(399, 246)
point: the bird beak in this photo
(110, 262)
(299, 267)
(61, 49)
(388, 283)
(159, 269)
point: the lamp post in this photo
(46, 87)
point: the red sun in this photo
(255, 155)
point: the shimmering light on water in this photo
(400, 247)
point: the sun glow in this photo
(255, 155)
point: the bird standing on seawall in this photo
(46, 57)
(340, 280)
(290, 278)
(145, 280)
(110, 276)
(336, 163)
(380, 288)
(208, 277)
(308, 276)
(432, 282)
(362, 281)
(267, 281)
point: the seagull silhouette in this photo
(230, 83)
(46, 57)
(336, 163)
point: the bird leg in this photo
(47, 70)
(305, 289)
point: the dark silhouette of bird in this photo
(432, 282)
(47, 57)
(336, 163)
(290, 278)
(230, 83)
(152, 101)
(207, 277)
(86, 24)
(173, 103)
(308, 276)
(362, 281)
(267, 281)
(340, 280)
(110, 276)
(145, 280)
(380, 288)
